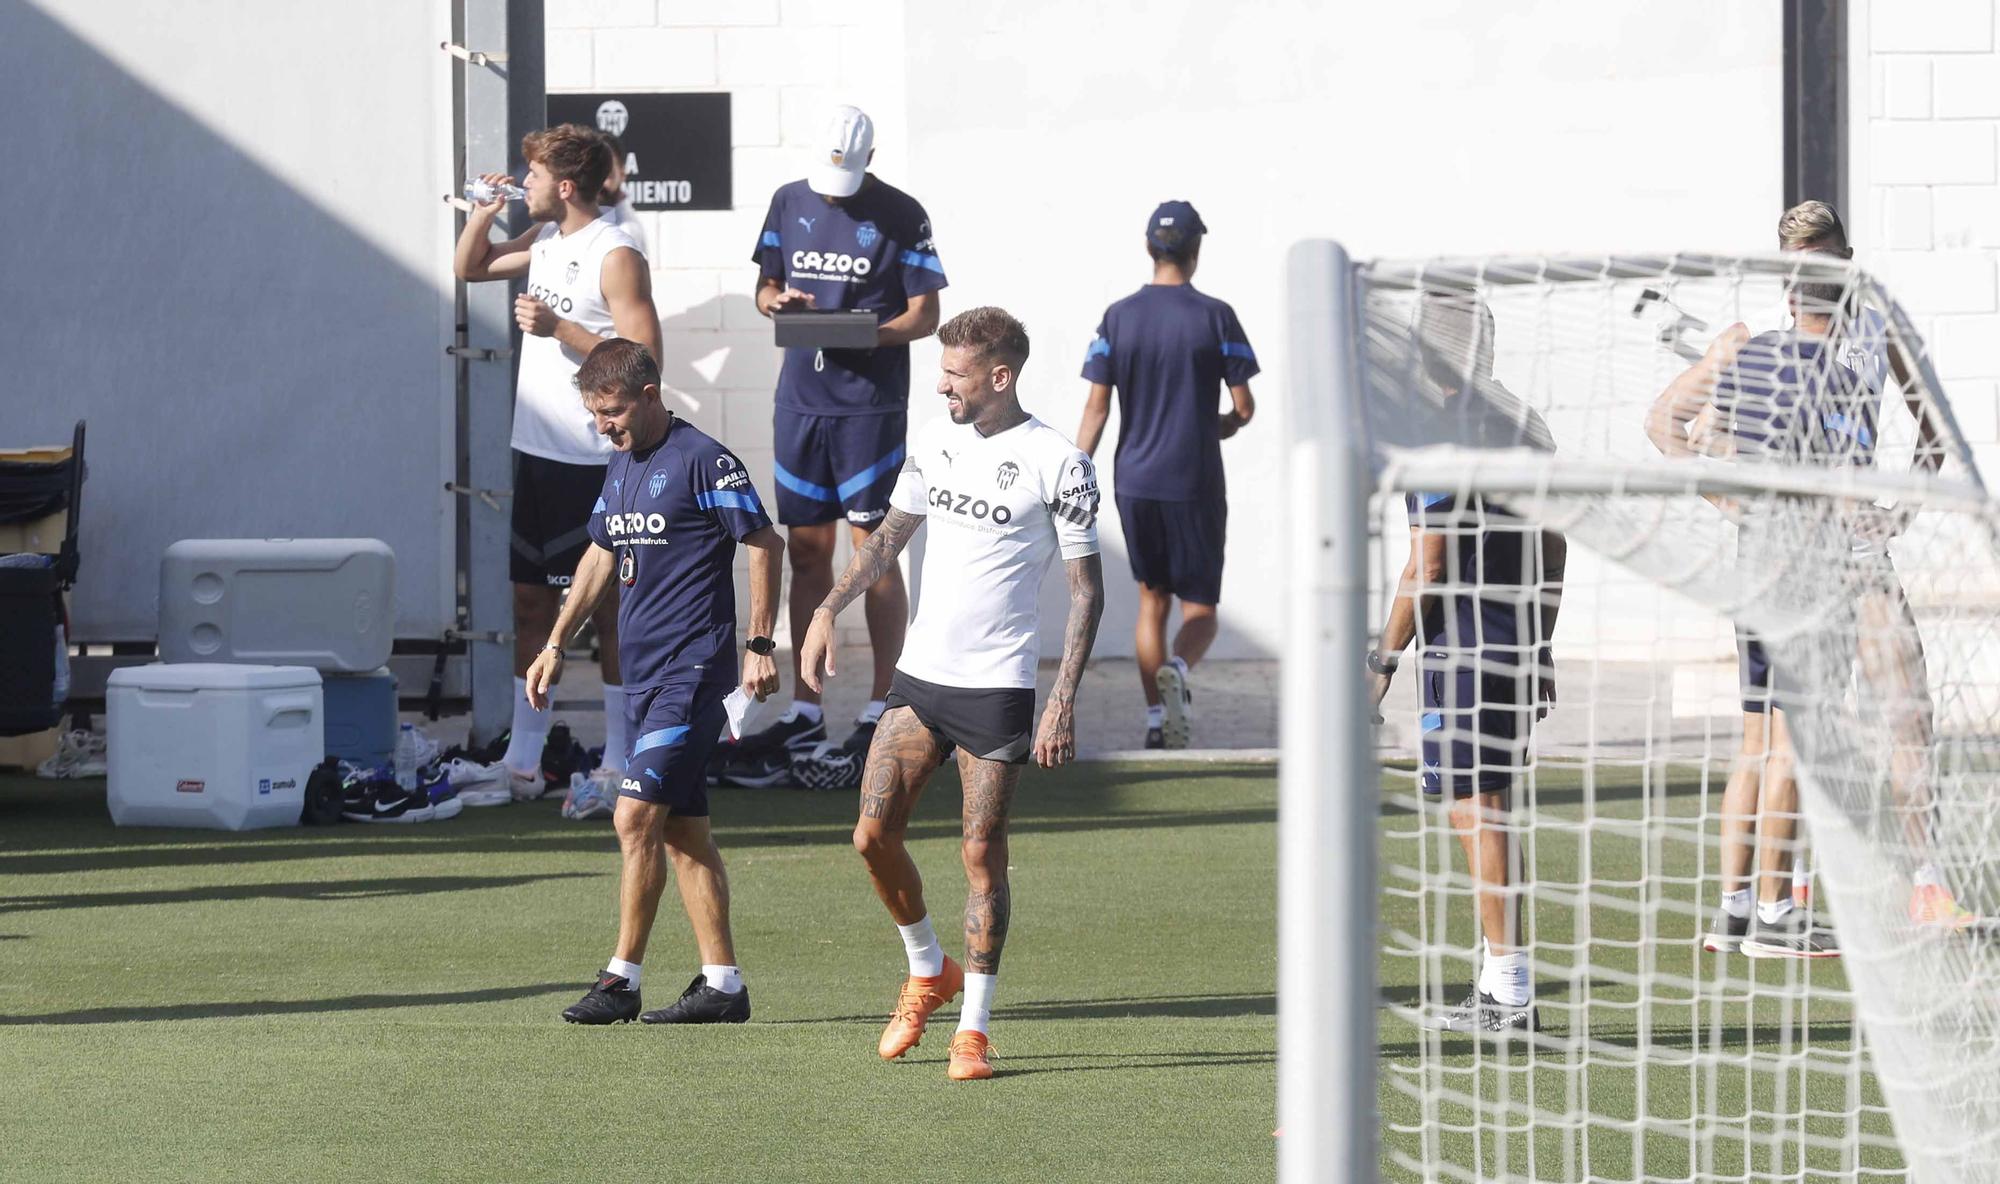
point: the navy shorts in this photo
(1176, 547)
(553, 502)
(1476, 725)
(1753, 669)
(993, 724)
(673, 729)
(837, 466)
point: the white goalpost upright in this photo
(1797, 491)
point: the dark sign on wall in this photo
(676, 146)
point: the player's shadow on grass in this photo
(1199, 1007)
(1128, 1062)
(256, 1007)
(1559, 798)
(1555, 1042)
(323, 890)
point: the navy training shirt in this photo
(680, 509)
(872, 251)
(1168, 350)
(1787, 395)
(1488, 605)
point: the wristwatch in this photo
(1377, 664)
(760, 645)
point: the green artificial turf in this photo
(380, 1003)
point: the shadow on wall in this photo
(249, 365)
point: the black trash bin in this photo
(31, 605)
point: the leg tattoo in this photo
(989, 794)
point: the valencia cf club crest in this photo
(866, 235)
(570, 272)
(658, 483)
(1005, 477)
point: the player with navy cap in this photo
(674, 505)
(841, 238)
(1168, 350)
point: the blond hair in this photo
(1813, 226)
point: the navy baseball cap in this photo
(1173, 224)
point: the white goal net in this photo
(1690, 747)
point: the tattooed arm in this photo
(1055, 742)
(871, 562)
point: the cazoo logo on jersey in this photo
(831, 261)
(558, 303)
(634, 523)
(966, 504)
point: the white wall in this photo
(1040, 134)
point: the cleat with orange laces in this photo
(914, 1005)
(969, 1057)
(1934, 906)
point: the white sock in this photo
(531, 732)
(630, 971)
(920, 942)
(1927, 877)
(727, 979)
(977, 1011)
(1156, 715)
(1770, 913)
(1737, 903)
(872, 714)
(617, 745)
(810, 712)
(1505, 977)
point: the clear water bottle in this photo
(479, 192)
(406, 757)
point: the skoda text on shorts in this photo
(1168, 351)
(842, 238)
(673, 506)
(587, 279)
(1004, 494)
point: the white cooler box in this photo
(221, 747)
(325, 603)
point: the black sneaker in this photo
(828, 769)
(793, 736)
(610, 1000)
(758, 771)
(1725, 933)
(702, 1004)
(559, 756)
(1482, 1015)
(1793, 935)
(1156, 738)
(860, 738)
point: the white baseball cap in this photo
(844, 151)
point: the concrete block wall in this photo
(784, 64)
(1925, 187)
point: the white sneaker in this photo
(477, 784)
(78, 754)
(585, 800)
(526, 787)
(1177, 705)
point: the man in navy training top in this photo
(1485, 587)
(675, 504)
(841, 238)
(1168, 350)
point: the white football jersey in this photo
(564, 272)
(1001, 508)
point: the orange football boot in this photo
(914, 1005)
(1934, 906)
(969, 1057)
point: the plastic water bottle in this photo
(479, 192)
(406, 757)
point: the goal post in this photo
(1617, 496)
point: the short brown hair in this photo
(619, 366)
(988, 332)
(1813, 226)
(570, 152)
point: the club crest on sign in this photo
(612, 117)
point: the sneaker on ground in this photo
(559, 755)
(1725, 933)
(1481, 1014)
(915, 1002)
(1156, 738)
(1177, 728)
(477, 784)
(78, 754)
(828, 767)
(702, 1004)
(1933, 906)
(1791, 936)
(435, 783)
(585, 799)
(610, 1000)
(762, 770)
(797, 734)
(525, 787)
(382, 800)
(971, 1055)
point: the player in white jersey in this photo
(1005, 494)
(587, 280)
